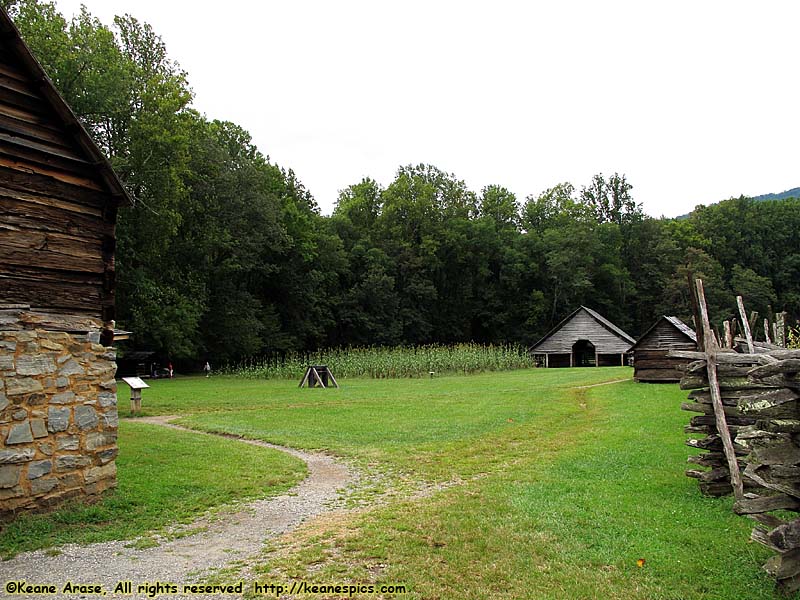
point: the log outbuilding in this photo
(650, 360)
(584, 339)
(58, 207)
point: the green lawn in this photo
(532, 487)
(567, 504)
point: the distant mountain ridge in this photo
(793, 193)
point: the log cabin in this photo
(584, 339)
(650, 360)
(58, 196)
(58, 206)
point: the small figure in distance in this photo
(170, 369)
(207, 369)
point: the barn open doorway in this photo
(583, 354)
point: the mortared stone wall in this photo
(58, 413)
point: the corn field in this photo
(398, 362)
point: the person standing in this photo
(207, 369)
(170, 369)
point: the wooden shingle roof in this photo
(682, 327)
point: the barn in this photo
(58, 206)
(650, 360)
(583, 339)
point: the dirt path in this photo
(178, 560)
(586, 387)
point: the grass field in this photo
(529, 485)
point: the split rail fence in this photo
(748, 408)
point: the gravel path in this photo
(225, 539)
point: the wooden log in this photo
(317, 377)
(69, 295)
(762, 477)
(723, 357)
(723, 369)
(762, 537)
(698, 429)
(23, 101)
(781, 471)
(707, 459)
(658, 363)
(33, 183)
(786, 537)
(35, 136)
(693, 382)
(696, 315)
(694, 473)
(305, 377)
(779, 425)
(784, 566)
(768, 448)
(781, 403)
(780, 326)
(714, 443)
(734, 422)
(718, 474)
(786, 366)
(762, 504)
(753, 322)
(658, 355)
(729, 397)
(333, 379)
(770, 521)
(715, 488)
(667, 375)
(745, 324)
(789, 585)
(782, 354)
(708, 409)
(57, 174)
(36, 213)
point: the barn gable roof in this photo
(682, 327)
(623, 338)
(12, 40)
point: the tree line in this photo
(226, 254)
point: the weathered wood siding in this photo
(650, 360)
(57, 215)
(582, 326)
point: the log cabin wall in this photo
(58, 196)
(650, 360)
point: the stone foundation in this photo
(58, 411)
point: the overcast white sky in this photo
(695, 101)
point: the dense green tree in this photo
(611, 199)
(225, 255)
